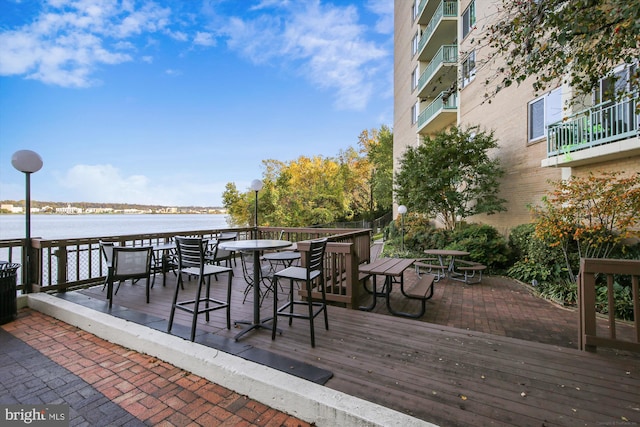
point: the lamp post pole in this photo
(256, 185)
(402, 209)
(28, 162)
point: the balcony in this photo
(442, 112)
(442, 29)
(606, 131)
(440, 73)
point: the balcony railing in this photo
(601, 124)
(446, 9)
(447, 54)
(444, 101)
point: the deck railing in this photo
(601, 124)
(446, 9)
(62, 264)
(591, 270)
(447, 54)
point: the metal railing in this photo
(446, 9)
(590, 270)
(601, 124)
(447, 54)
(63, 264)
(444, 101)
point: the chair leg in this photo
(310, 306)
(147, 286)
(196, 308)
(274, 322)
(175, 301)
(230, 274)
(324, 304)
(206, 303)
(291, 303)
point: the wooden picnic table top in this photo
(387, 266)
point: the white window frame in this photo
(468, 19)
(415, 77)
(551, 112)
(415, 43)
(468, 71)
(415, 113)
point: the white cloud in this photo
(326, 42)
(384, 9)
(107, 184)
(204, 39)
(69, 39)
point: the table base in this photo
(251, 326)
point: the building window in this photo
(615, 85)
(415, 77)
(468, 19)
(415, 43)
(415, 112)
(414, 9)
(469, 69)
(544, 111)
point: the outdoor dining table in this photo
(390, 268)
(255, 246)
(446, 253)
(166, 248)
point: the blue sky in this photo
(166, 101)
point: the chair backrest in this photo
(107, 251)
(191, 251)
(316, 255)
(221, 254)
(131, 262)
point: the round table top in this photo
(254, 245)
(445, 252)
(282, 256)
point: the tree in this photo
(451, 176)
(236, 205)
(377, 145)
(575, 41)
(590, 215)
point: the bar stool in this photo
(311, 272)
(191, 261)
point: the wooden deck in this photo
(441, 374)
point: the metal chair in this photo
(266, 276)
(128, 263)
(191, 261)
(310, 273)
(106, 249)
(217, 255)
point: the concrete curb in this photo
(303, 399)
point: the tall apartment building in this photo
(439, 80)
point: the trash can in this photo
(8, 291)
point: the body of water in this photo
(75, 226)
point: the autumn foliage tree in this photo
(590, 215)
(319, 190)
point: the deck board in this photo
(445, 375)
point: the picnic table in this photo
(393, 271)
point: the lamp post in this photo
(256, 185)
(28, 162)
(402, 209)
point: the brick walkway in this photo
(45, 361)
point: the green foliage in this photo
(561, 291)
(561, 40)
(484, 244)
(532, 258)
(623, 298)
(450, 176)
(378, 147)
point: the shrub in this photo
(562, 291)
(484, 244)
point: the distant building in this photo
(13, 209)
(69, 210)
